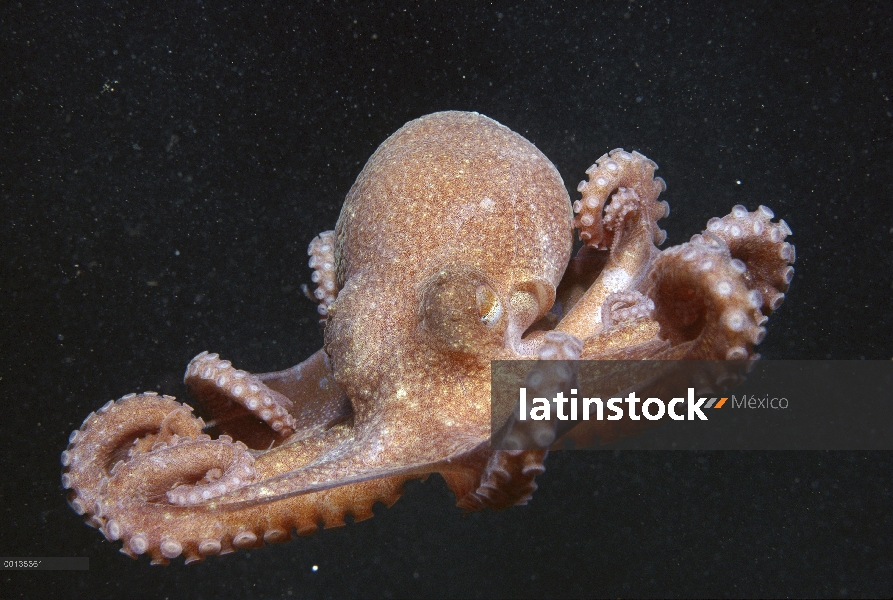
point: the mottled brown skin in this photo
(447, 255)
(431, 238)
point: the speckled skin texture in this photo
(450, 252)
(426, 229)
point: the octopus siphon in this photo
(452, 250)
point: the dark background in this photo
(164, 167)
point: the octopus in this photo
(453, 249)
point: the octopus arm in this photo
(322, 464)
(582, 271)
(619, 210)
(317, 400)
(758, 243)
(712, 297)
(270, 408)
(141, 471)
(322, 261)
(487, 479)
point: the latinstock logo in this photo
(653, 409)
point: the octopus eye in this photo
(462, 312)
(489, 306)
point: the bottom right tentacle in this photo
(712, 295)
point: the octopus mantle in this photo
(453, 249)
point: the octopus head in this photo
(450, 245)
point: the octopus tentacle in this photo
(322, 261)
(621, 307)
(628, 225)
(224, 465)
(628, 330)
(558, 345)
(292, 404)
(759, 243)
(554, 372)
(636, 339)
(169, 499)
(702, 301)
(318, 402)
(217, 383)
(118, 429)
(628, 179)
(506, 479)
